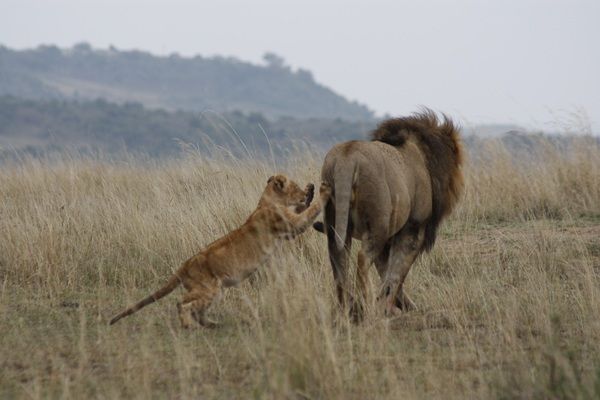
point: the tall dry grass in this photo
(508, 300)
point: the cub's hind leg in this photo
(185, 314)
(193, 307)
(198, 312)
(199, 309)
(196, 302)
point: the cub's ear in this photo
(278, 182)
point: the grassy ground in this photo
(508, 299)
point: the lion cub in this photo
(284, 211)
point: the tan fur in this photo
(283, 212)
(391, 193)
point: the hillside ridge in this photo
(172, 82)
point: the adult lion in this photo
(391, 193)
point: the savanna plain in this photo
(508, 300)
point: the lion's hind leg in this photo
(364, 299)
(404, 303)
(405, 248)
(363, 275)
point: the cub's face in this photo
(286, 192)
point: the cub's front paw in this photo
(310, 194)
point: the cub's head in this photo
(284, 191)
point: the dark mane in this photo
(440, 142)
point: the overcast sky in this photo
(535, 63)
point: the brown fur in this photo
(392, 193)
(283, 212)
(440, 143)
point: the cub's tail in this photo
(173, 282)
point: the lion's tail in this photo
(173, 282)
(343, 194)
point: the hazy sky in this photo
(529, 62)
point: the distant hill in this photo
(41, 126)
(173, 83)
(35, 126)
